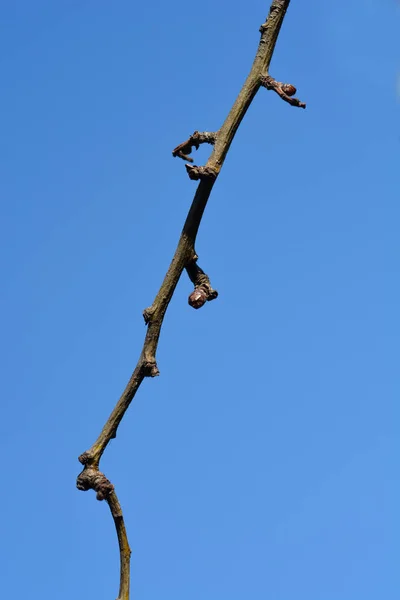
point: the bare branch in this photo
(184, 258)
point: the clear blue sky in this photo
(263, 463)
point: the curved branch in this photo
(197, 138)
(124, 549)
(184, 258)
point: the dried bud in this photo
(104, 491)
(195, 173)
(82, 483)
(84, 458)
(289, 89)
(150, 369)
(197, 298)
(147, 314)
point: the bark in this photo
(185, 258)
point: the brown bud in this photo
(194, 172)
(197, 298)
(289, 89)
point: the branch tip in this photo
(284, 90)
(203, 292)
(197, 298)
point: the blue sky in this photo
(263, 462)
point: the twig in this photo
(197, 138)
(184, 258)
(203, 292)
(284, 90)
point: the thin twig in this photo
(184, 258)
(194, 141)
(284, 90)
(203, 292)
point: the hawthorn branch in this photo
(184, 258)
